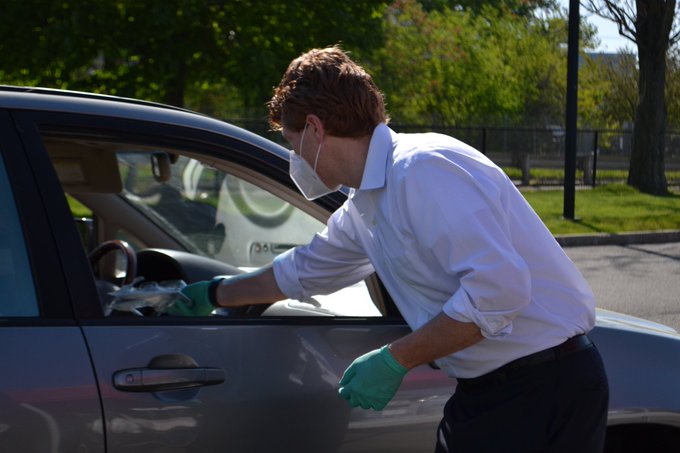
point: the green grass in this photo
(77, 208)
(613, 208)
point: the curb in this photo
(640, 237)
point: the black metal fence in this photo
(531, 148)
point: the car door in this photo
(48, 391)
(225, 382)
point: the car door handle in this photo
(156, 380)
(167, 372)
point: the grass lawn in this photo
(78, 209)
(612, 208)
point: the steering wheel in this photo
(130, 257)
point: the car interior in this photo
(152, 219)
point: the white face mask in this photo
(305, 177)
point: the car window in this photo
(214, 213)
(16, 282)
(170, 198)
(223, 216)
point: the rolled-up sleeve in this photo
(286, 275)
(494, 281)
(333, 260)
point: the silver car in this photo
(109, 206)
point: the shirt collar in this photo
(376, 162)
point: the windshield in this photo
(212, 212)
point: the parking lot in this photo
(641, 280)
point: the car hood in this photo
(606, 318)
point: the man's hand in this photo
(199, 299)
(372, 379)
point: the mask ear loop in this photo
(302, 139)
(318, 151)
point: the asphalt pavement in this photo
(636, 274)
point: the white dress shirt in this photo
(446, 230)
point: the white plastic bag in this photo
(139, 294)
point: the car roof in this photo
(46, 99)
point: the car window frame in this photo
(207, 143)
(24, 168)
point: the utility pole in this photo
(572, 111)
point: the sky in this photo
(607, 32)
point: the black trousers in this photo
(551, 402)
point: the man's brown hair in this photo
(327, 83)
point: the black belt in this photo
(572, 345)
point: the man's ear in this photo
(316, 127)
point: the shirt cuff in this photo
(286, 275)
(492, 325)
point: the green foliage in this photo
(608, 94)
(454, 66)
(165, 49)
(78, 209)
(673, 88)
(50, 43)
(268, 35)
(518, 7)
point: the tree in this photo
(163, 49)
(268, 35)
(51, 43)
(443, 67)
(673, 88)
(150, 50)
(608, 95)
(650, 24)
(524, 8)
(455, 67)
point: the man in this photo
(489, 294)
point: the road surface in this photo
(641, 280)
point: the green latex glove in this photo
(372, 379)
(198, 300)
